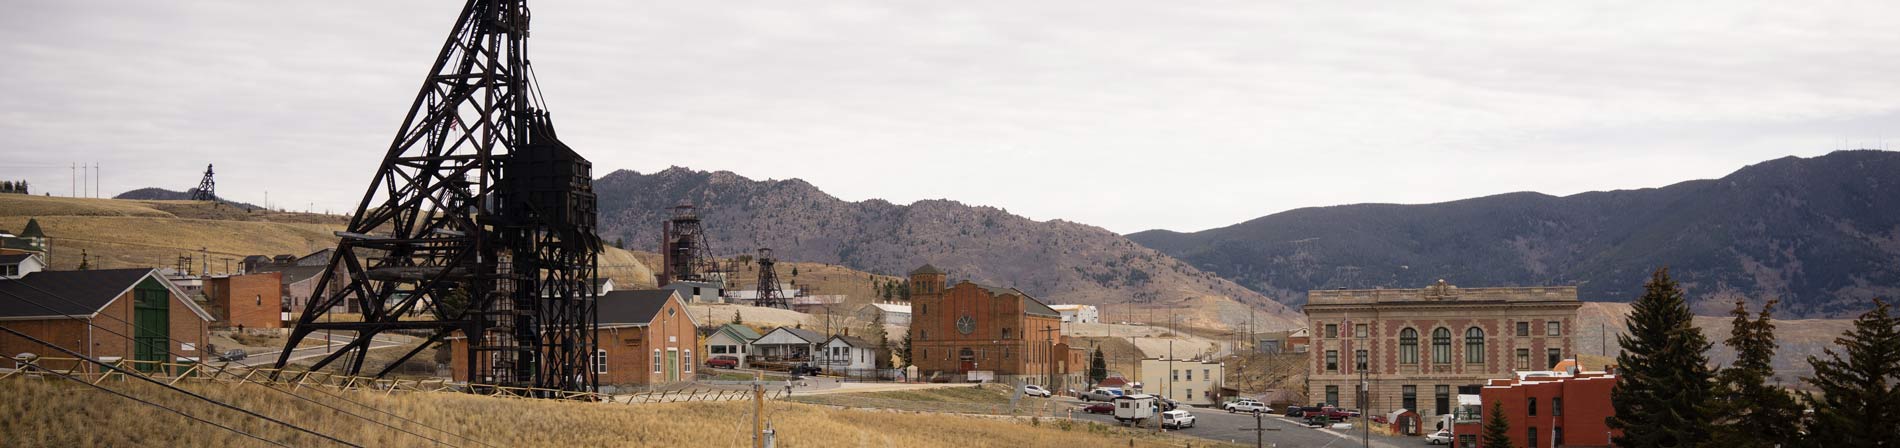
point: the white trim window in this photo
(656, 360)
(688, 365)
(600, 361)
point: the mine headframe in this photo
(687, 254)
(478, 228)
(207, 188)
(769, 294)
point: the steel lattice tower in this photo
(769, 293)
(207, 189)
(478, 225)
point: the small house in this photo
(789, 345)
(732, 340)
(151, 321)
(848, 354)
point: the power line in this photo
(242, 380)
(160, 406)
(144, 378)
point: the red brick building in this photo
(968, 328)
(247, 301)
(155, 321)
(646, 338)
(1549, 409)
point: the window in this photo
(1474, 345)
(1467, 440)
(656, 360)
(1190, 392)
(1553, 328)
(1441, 346)
(1523, 358)
(1524, 328)
(1190, 374)
(1408, 397)
(1174, 375)
(1359, 360)
(600, 361)
(1205, 376)
(1556, 437)
(1530, 406)
(1332, 330)
(1005, 333)
(716, 349)
(260, 300)
(1408, 346)
(1532, 436)
(1442, 394)
(1332, 360)
(1555, 355)
(923, 308)
(1556, 407)
(926, 354)
(1332, 395)
(1359, 331)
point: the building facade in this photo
(969, 328)
(1184, 380)
(251, 301)
(129, 314)
(1078, 314)
(646, 338)
(1548, 409)
(1418, 348)
(732, 340)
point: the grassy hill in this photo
(58, 413)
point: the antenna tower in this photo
(479, 220)
(207, 189)
(769, 294)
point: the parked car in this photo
(1036, 391)
(1177, 419)
(1166, 404)
(233, 355)
(1297, 411)
(804, 369)
(1246, 405)
(1103, 394)
(724, 362)
(1442, 437)
(1099, 408)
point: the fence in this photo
(176, 372)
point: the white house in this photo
(1081, 314)
(848, 353)
(732, 340)
(1187, 381)
(13, 266)
(698, 292)
(894, 314)
(787, 344)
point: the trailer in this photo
(1130, 409)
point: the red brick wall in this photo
(630, 350)
(250, 301)
(98, 340)
(1586, 403)
(1024, 352)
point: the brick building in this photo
(1419, 348)
(646, 338)
(155, 321)
(300, 276)
(247, 301)
(1565, 408)
(957, 330)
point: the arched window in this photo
(1441, 346)
(1408, 346)
(1474, 345)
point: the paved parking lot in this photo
(1215, 424)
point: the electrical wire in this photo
(142, 377)
(242, 380)
(160, 406)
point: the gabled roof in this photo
(853, 341)
(13, 258)
(633, 307)
(741, 332)
(61, 294)
(800, 333)
(926, 269)
(32, 229)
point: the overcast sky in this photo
(1126, 115)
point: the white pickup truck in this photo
(1246, 405)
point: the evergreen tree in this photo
(879, 336)
(737, 319)
(903, 352)
(1497, 429)
(1664, 381)
(1098, 367)
(1859, 404)
(1747, 411)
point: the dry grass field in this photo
(59, 414)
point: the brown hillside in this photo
(1798, 338)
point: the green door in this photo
(151, 324)
(672, 366)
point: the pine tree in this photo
(878, 335)
(1747, 411)
(1859, 402)
(1664, 381)
(736, 319)
(903, 352)
(1497, 429)
(1098, 367)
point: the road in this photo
(269, 358)
(1214, 424)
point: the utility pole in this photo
(758, 409)
(1259, 431)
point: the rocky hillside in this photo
(1820, 233)
(1058, 261)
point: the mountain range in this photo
(1820, 234)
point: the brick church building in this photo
(969, 331)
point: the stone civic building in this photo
(971, 330)
(1420, 348)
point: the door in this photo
(151, 325)
(672, 365)
(968, 359)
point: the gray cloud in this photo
(1129, 115)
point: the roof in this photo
(56, 294)
(1033, 306)
(807, 335)
(32, 229)
(892, 307)
(13, 258)
(742, 332)
(1070, 307)
(854, 341)
(926, 269)
(637, 307)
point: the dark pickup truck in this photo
(1332, 414)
